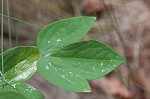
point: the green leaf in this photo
(11, 94)
(19, 63)
(62, 33)
(61, 77)
(19, 91)
(23, 70)
(71, 66)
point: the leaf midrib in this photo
(88, 58)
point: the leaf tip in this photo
(123, 59)
(87, 90)
(92, 18)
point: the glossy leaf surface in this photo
(23, 70)
(19, 63)
(19, 91)
(62, 33)
(71, 66)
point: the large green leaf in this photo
(19, 63)
(19, 91)
(71, 66)
(62, 33)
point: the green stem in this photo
(17, 33)
(2, 39)
(6, 83)
(21, 21)
(8, 20)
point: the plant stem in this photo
(21, 21)
(2, 39)
(17, 33)
(8, 20)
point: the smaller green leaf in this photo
(19, 63)
(22, 71)
(19, 91)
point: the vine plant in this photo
(59, 58)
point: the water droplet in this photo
(101, 63)
(49, 63)
(114, 65)
(30, 87)
(77, 75)
(63, 76)
(46, 67)
(111, 60)
(59, 40)
(49, 42)
(103, 70)
(93, 68)
(70, 72)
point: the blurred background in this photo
(122, 24)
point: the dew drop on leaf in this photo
(93, 68)
(59, 40)
(49, 42)
(77, 75)
(70, 72)
(103, 70)
(46, 67)
(49, 63)
(63, 76)
(30, 87)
